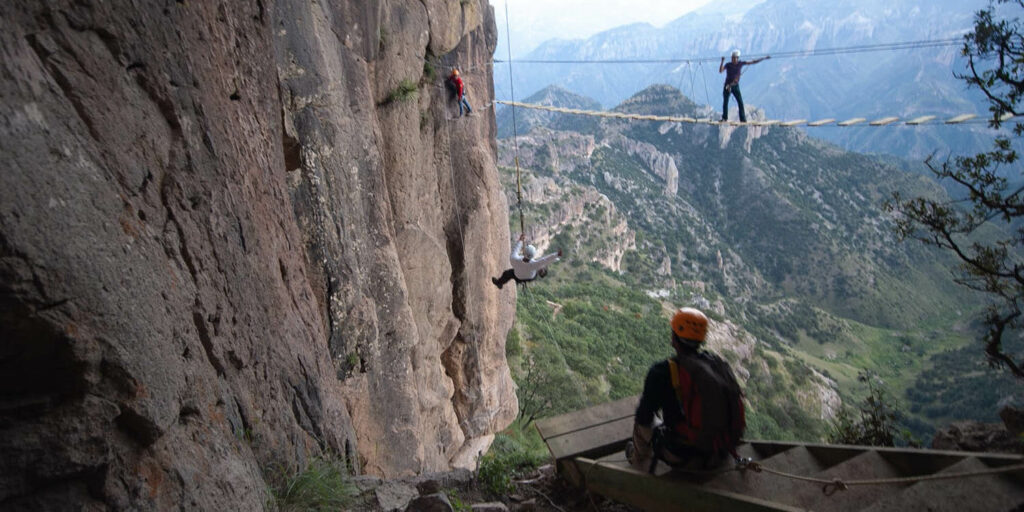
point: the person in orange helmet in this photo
(460, 92)
(698, 399)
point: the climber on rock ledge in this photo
(460, 92)
(524, 267)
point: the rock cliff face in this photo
(237, 235)
(659, 164)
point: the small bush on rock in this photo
(508, 458)
(322, 485)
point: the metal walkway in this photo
(588, 448)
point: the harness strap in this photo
(674, 369)
(684, 405)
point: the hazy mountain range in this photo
(903, 83)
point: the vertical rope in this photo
(451, 168)
(515, 132)
(707, 96)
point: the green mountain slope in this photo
(779, 237)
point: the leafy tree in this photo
(989, 264)
(875, 422)
(546, 387)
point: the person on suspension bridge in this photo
(524, 267)
(460, 91)
(700, 402)
(733, 69)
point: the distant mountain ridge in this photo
(872, 85)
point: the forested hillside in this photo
(781, 238)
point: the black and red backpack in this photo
(712, 403)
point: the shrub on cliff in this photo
(876, 421)
(508, 457)
(322, 485)
(406, 90)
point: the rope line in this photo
(839, 50)
(857, 121)
(515, 133)
(455, 191)
(590, 426)
(831, 486)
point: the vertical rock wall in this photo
(235, 235)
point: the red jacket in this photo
(457, 80)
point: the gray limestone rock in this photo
(394, 495)
(495, 506)
(223, 249)
(436, 502)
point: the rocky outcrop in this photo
(547, 150)
(237, 235)
(749, 132)
(818, 395)
(974, 436)
(592, 219)
(660, 164)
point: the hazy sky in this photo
(535, 21)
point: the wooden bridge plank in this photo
(593, 442)
(586, 418)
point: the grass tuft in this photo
(322, 485)
(513, 454)
(406, 90)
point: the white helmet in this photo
(736, 53)
(531, 251)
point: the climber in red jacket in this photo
(460, 94)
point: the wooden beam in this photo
(592, 442)
(884, 121)
(573, 421)
(920, 120)
(961, 118)
(669, 493)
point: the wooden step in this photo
(990, 493)
(867, 465)
(602, 431)
(592, 432)
(797, 460)
(669, 492)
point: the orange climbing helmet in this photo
(455, 72)
(690, 324)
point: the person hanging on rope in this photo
(698, 398)
(460, 92)
(733, 69)
(524, 267)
